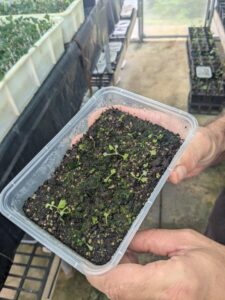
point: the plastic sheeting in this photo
(94, 34)
(88, 5)
(52, 107)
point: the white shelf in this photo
(23, 80)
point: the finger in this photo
(166, 242)
(178, 174)
(196, 157)
(132, 281)
(125, 282)
(129, 257)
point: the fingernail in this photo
(181, 172)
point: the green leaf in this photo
(153, 152)
(125, 156)
(94, 220)
(157, 175)
(89, 247)
(144, 179)
(111, 148)
(62, 204)
(132, 174)
(81, 147)
(92, 171)
(113, 171)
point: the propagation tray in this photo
(22, 81)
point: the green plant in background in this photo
(17, 36)
(33, 6)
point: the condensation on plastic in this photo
(43, 165)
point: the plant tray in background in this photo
(73, 17)
(22, 81)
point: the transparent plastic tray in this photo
(43, 165)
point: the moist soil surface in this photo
(102, 183)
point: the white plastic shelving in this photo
(22, 81)
(72, 17)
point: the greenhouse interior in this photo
(112, 149)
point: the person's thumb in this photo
(178, 174)
(166, 242)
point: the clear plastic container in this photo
(43, 165)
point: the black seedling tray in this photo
(201, 104)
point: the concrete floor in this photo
(159, 70)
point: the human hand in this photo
(199, 155)
(194, 271)
(206, 149)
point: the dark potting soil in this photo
(102, 184)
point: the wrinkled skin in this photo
(194, 271)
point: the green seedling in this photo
(108, 179)
(94, 220)
(90, 248)
(141, 178)
(157, 175)
(114, 152)
(121, 118)
(153, 152)
(128, 215)
(81, 147)
(33, 6)
(62, 208)
(106, 215)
